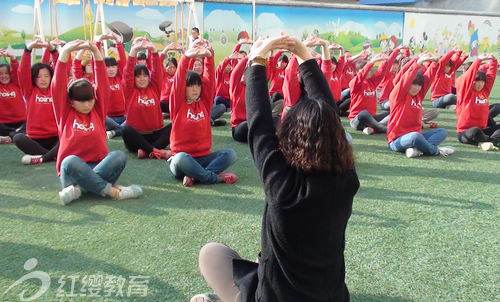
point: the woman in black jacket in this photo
(308, 176)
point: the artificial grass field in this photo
(423, 229)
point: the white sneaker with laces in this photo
(486, 146)
(368, 131)
(69, 194)
(446, 150)
(413, 152)
(132, 191)
(205, 298)
(110, 134)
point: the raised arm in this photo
(291, 85)
(466, 81)
(14, 67)
(24, 74)
(77, 68)
(384, 68)
(208, 80)
(235, 79)
(491, 74)
(178, 91)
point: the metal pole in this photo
(254, 22)
(363, 7)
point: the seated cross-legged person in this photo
(473, 90)
(191, 101)
(404, 131)
(144, 133)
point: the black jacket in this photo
(305, 216)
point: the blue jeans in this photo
(426, 142)
(93, 177)
(445, 100)
(204, 168)
(115, 123)
(221, 100)
(385, 105)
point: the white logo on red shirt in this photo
(369, 93)
(281, 75)
(8, 94)
(115, 87)
(351, 72)
(83, 126)
(481, 101)
(334, 79)
(196, 117)
(145, 101)
(43, 99)
(447, 76)
(226, 82)
(171, 80)
(416, 103)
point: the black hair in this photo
(110, 61)
(419, 79)
(283, 58)
(171, 60)
(140, 69)
(81, 90)
(5, 65)
(141, 56)
(360, 64)
(193, 78)
(196, 28)
(334, 61)
(480, 76)
(35, 70)
(242, 51)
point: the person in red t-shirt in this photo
(351, 67)
(191, 101)
(276, 74)
(441, 94)
(144, 133)
(12, 106)
(404, 130)
(84, 162)
(363, 108)
(168, 75)
(473, 90)
(239, 126)
(386, 85)
(40, 142)
(82, 67)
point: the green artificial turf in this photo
(423, 229)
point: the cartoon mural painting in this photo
(474, 39)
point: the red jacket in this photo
(275, 74)
(77, 71)
(406, 111)
(473, 106)
(143, 105)
(443, 81)
(83, 135)
(40, 122)
(237, 94)
(116, 102)
(334, 78)
(291, 85)
(363, 94)
(348, 73)
(222, 80)
(12, 106)
(191, 131)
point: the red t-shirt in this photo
(12, 106)
(116, 102)
(473, 106)
(406, 111)
(143, 105)
(237, 94)
(348, 73)
(191, 131)
(83, 135)
(166, 87)
(334, 78)
(40, 122)
(291, 85)
(275, 74)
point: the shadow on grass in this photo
(376, 298)
(58, 263)
(411, 197)
(380, 221)
(390, 170)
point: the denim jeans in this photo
(221, 100)
(445, 100)
(115, 123)
(93, 177)
(204, 168)
(217, 112)
(426, 142)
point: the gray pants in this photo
(445, 100)
(216, 266)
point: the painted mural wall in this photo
(438, 33)
(223, 23)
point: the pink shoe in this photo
(188, 181)
(229, 178)
(160, 154)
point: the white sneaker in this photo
(445, 151)
(486, 146)
(205, 298)
(413, 152)
(110, 134)
(69, 194)
(32, 159)
(5, 140)
(451, 107)
(368, 131)
(132, 191)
